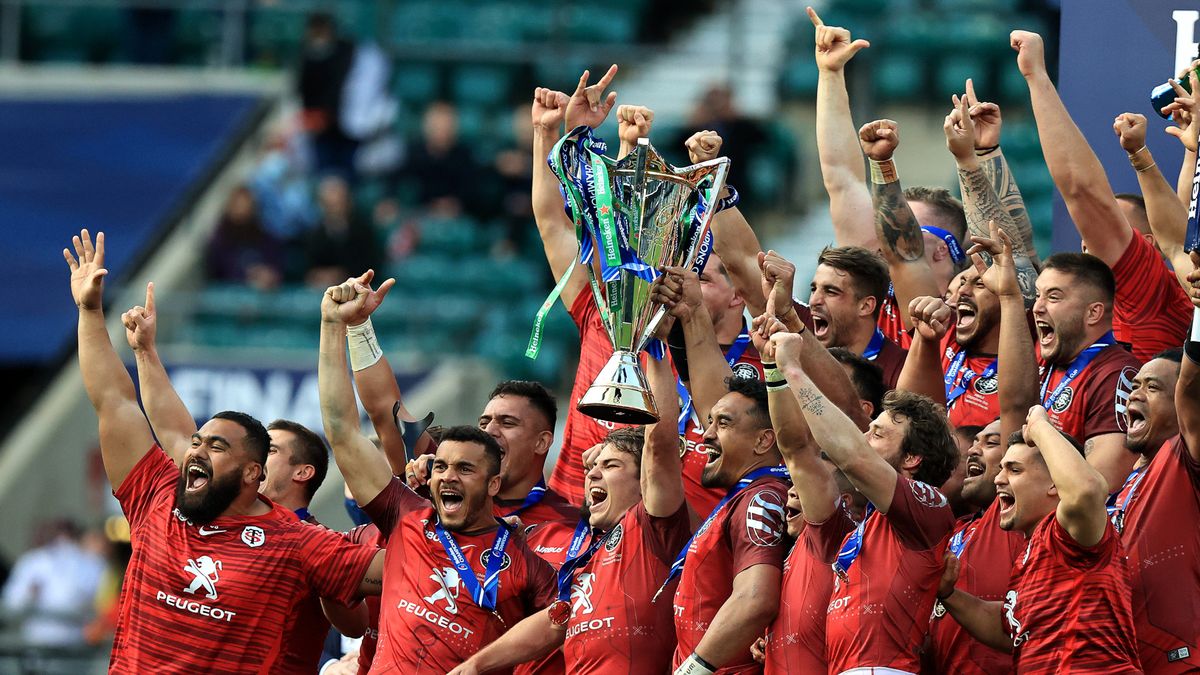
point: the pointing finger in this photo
(150, 298)
(814, 17)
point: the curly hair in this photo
(929, 436)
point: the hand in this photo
(1131, 129)
(1001, 277)
(1185, 111)
(960, 131)
(588, 105)
(87, 270)
(788, 347)
(761, 329)
(362, 300)
(1193, 278)
(590, 455)
(344, 666)
(140, 323)
(834, 48)
(778, 276)
(1033, 422)
(879, 139)
(465, 668)
(758, 649)
(703, 146)
(663, 330)
(949, 576)
(633, 122)
(1031, 53)
(986, 117)
(416, 472)
(549, 109)
(678, 289)
(931, 317)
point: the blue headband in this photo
(956, 252)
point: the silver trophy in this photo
(632, 216)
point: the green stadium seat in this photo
(416, 83)
(481, 85)
(900, 76)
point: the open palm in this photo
(87, 270)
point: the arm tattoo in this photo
(981, 205)
(895, 225)
(811, 401)
(1026, 278)
(995, 169)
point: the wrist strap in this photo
(980, 152)
(774, 376)
(364, 347)
(729, 201)
(884, 172)
(694, 665)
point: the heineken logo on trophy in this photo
(632, 216)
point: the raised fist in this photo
(879, 139)
(1031, 53)
(1131, 129)
(930, 316)
(703, 146)
(549, 108)
(633, 122)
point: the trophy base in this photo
(620, 393)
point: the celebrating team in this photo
(952, 458)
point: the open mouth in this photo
(713, 452)
(1007, 502)
(791, 512)
(452, 500)
(820, 326)
(966, 315)
(1045, 333)
(975, 468)
(597, 496)
(1136, 421)
(197, 476)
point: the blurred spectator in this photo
(324, 66)
(53, 588)
(282, 188)
(241, 250)
(440, 165)
(513, 168)
(743, 135)
(369, 112)
(342, 243)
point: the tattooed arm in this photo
(901, 241)
(995, 169)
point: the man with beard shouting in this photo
(216, 567)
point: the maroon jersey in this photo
(1158, 516)
(214, 597)
(582, 431)
(615, 628)
(796, 639)
(552, 506)
(427, 623)
(1094, 402)
(367, 534)
(978, 402)
(1150, 310)
(550, 541)
(747, 531)
(304, 637)
(986, 554)
(890, 356)
(1067, 609)
(891, 323)
(879, 615)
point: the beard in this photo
(211, 501)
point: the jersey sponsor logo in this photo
(614, 538)
(547, 549)
(195, 607)
(448, 584)
(745, 370)
(987, 385)
(253, 536)
(1178, 654)
(422, 612)
(1124, 389)
(764, 519)
(487, 555)
(205, 531)
(927, 494)
(581, 594)
(1064, 400)
(205, 575)
(1019, 636)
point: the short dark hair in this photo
(1086, 268)
(1133, 198)
(258, 441)
(950, 209)
(929, 436)
(1017, 437)
(867, 271)
(1174, 355)
(463, 433)
(968, 431)
(756, 391)
(321, 21)
(535, 392)
(629, 440)
(310, 449)
(866, 377)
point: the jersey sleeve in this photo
(583, 311)
(335, 566)
(541, 587)
(822, 540)
(755, 527)
(664, 537)
(391, 504)
(1106, 394)
(1149, 300)
(1076, 555)
(152, 474)
(1180, 454)
(919, 513)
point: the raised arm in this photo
(662, 468)
(555, 228)
(124, 434)
(1082, 490)
(365, 469)
(842, 166)
(1187, 389)
(922, 372)
(1076, 170)
(983, 619)
(1167, 215)
(842, 441)
(901, 240)
(169, 418)
(534, 637)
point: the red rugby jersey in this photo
(427, 623)
(1150, 310)
(891, 323)
(880, 615)
(890, 358)
(304, 636)
(550, 541)
(747, 531)
(1068, 609)
(979, 405)
(553, 506)
(986, 557)
(796, 639)
(214, 597)
(367, 534)
(614, 627)
(1160, 530)
(1094, 402)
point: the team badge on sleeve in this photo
(927, 494)
(1124, 389)
(764, 519)
(746, 371)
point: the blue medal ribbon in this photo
(960, 539)
(953, 390)
(302, 513)
(956, 252)
(873, 347)
(779, 472)
(1077, 365)
(1116, 506)
(566, 573)
(485, 595)
(536, 494)
(852, 546)
(687, 409)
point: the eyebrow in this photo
(212, 439)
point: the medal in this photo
(560, 613)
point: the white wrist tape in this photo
(364, 348)
(694, 665)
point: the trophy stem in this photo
(620, 392)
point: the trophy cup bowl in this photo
(632, 216)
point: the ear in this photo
(868, 408)
(493, 487)
(1149, 239)
(253, 473)
(866, 306)
(1094, 313)
(910, 463)
(543, 442)
(765, 442)
(940, 252)
(737, 300)
(304, 473)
